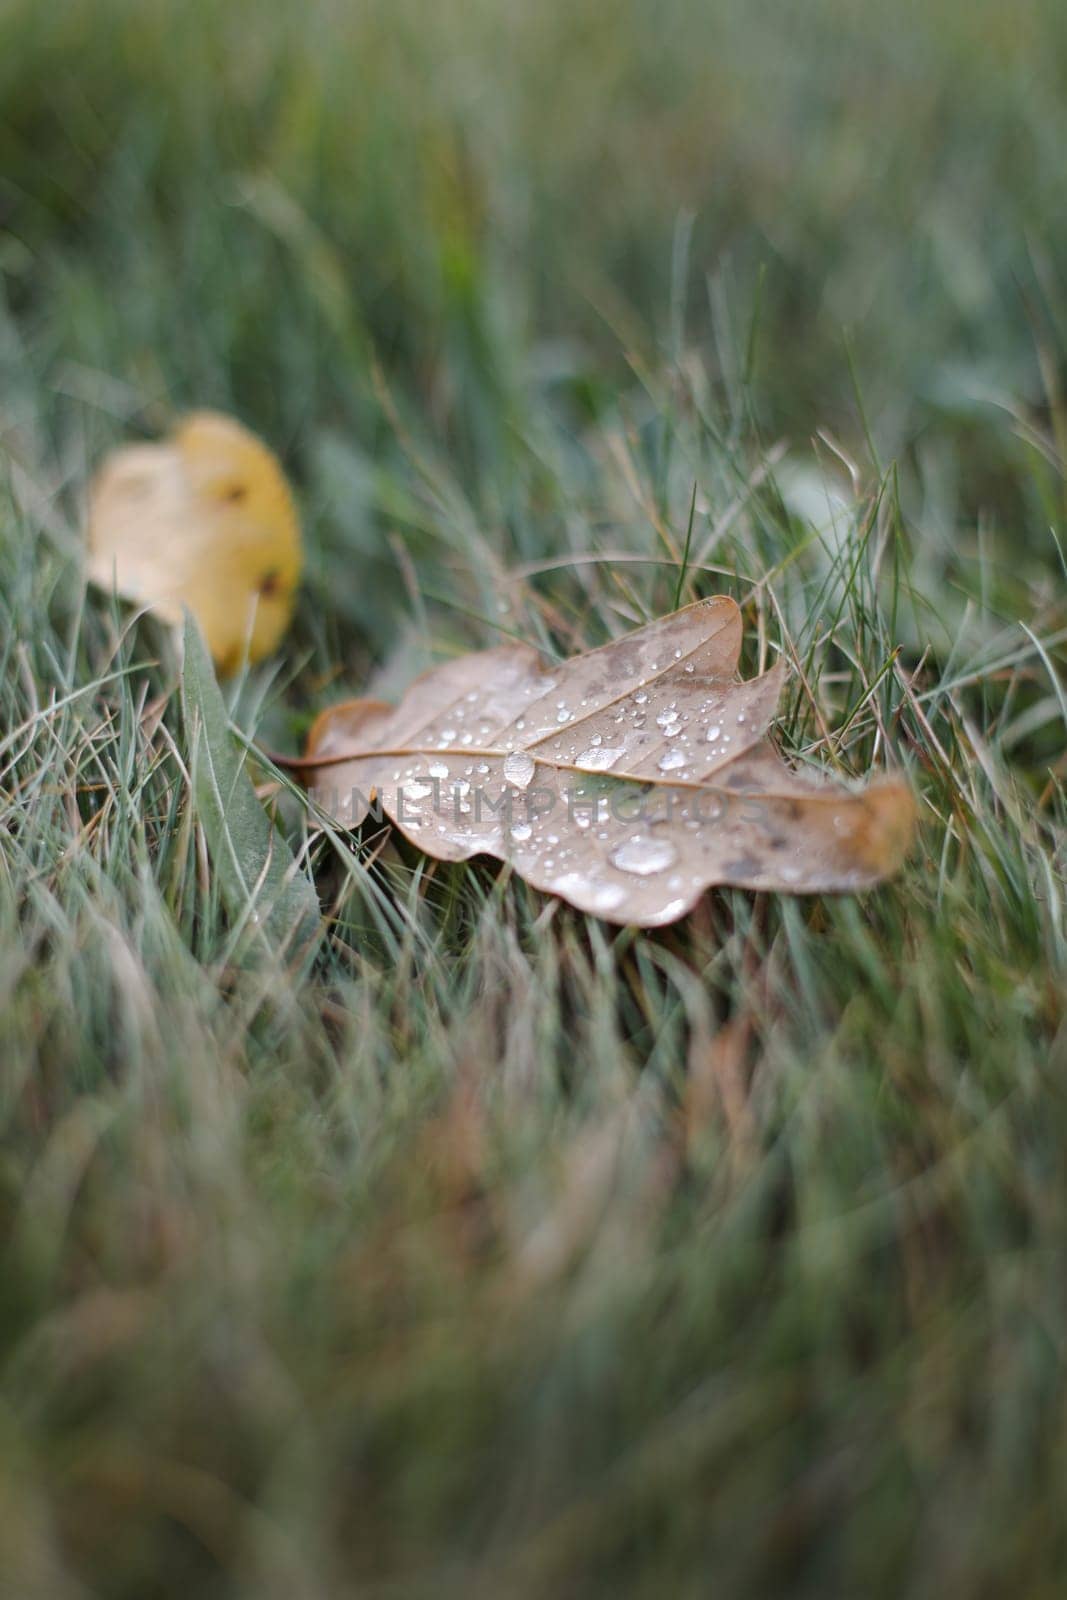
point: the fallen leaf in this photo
(627, 780)
(203, 519)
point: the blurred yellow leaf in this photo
(203, 519)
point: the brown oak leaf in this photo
(627, 780)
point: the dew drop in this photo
(417, 791)
(640, 697)
(599, 759)
(713, 734)
(671, 760)
(672, 910)
(521, 831)
(608, 897)
(642, 856)
(438, 769)
(447, 735)
(519, 769)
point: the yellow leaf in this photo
(203, 519)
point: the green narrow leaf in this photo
(259, 881)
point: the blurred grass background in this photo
(501, 1252)
(857, 218)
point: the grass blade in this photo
(259, 881)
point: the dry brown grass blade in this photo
(627, 780)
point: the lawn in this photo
(491, 1249)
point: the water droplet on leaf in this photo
(643, 856)
(519, 769)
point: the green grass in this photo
(497, 1250)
